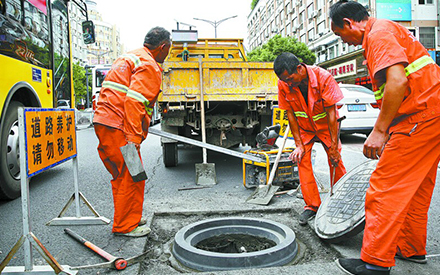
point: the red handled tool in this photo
(113, 262)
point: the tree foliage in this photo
(79, 82)
(254, 3)
(277, 45)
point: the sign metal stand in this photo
(28, 239)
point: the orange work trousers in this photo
(128, 196)
(398, 199)
(307, 180)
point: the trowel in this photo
(133, 162)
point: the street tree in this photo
(253, 4)
(277, 45)
(79, 83)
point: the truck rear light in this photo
(375, 105)
(339, 105)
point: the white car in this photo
(360, 108)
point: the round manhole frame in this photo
(282, 253)
(337, 232)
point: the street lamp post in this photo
(87, 67)
(99, 54)
(215, 23)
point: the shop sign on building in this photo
(344, 69)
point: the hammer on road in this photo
(117, 263)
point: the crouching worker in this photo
(309, 94)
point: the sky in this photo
(136, 17)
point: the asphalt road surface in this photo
(50, 191)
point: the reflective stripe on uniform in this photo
(133, 94)
(418, 64)
(315, 117)
(115, 86)
(301, 114)
(139, 97)
(319, 116)
(411, 68)
(137, 62)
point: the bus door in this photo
(63, 91)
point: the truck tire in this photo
(170, 155)
(10, 158)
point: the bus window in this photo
(99, 73)
(100, 76)
(13, 9)
(61, 54)
(2, 6)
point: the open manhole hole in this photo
(234, 243)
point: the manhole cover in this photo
(343, 214)
(231, 236)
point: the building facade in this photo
(308, 22)
(79, 49)
(107, 47)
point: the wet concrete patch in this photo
(164, 226)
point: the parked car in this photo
(63, 103)
(360, 108)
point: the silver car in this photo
(360, 108)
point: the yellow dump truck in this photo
(238, 95)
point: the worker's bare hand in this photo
(374, 144)
(297, 154)
(334, 155)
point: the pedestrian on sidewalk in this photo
(123, 116)
(309, 94)
(405, 138)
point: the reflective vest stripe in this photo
(139, 97)
(133, 94)
(301, 114)
(315, 117)
(411, 68)
(418, 64)
(149, 111)
(319, 116)
(115, 86)
(137, 62)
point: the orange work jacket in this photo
(323, 91)
(387, 43)
(129, 93)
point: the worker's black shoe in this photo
(359, 267)
(306, 216)
(420, 259)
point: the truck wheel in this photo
(10, 154)
(170, 155)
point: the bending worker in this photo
(308, 94)
(123, 115)
(405, 139)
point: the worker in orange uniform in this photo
(309, 94)
(405, 139)
(123, 115)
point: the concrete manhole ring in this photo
(282, 253)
